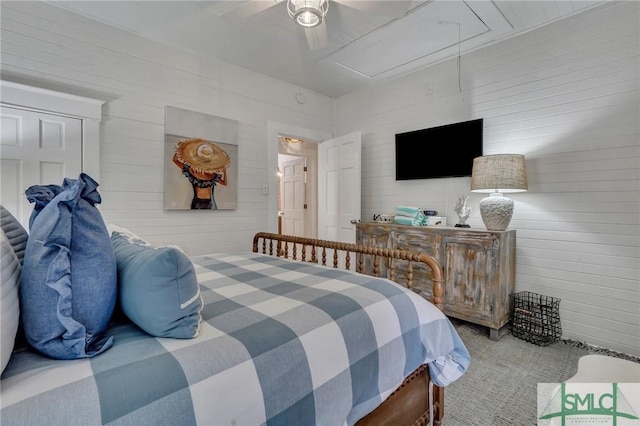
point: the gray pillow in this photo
(10, 269)
(15, 233)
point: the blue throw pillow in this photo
(68, 282)
(40, 195)
(157, 287)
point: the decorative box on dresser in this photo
(478, 267)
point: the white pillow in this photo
(10, 269)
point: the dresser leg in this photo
(496, 333)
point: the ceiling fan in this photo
(310, 14)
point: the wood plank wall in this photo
(565, 96)
(49, 47)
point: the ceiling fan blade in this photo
(392, 9)
(317, 36)
(248, 8)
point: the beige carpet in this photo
(500, 386)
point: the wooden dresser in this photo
(478, 266)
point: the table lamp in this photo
(498, 174)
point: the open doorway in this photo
(297, 186)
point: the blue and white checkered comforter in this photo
(281, 343)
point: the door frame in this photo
(88, 110)
(274, 129)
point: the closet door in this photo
(36, 149)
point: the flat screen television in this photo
(438, 152)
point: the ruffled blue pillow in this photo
(68, 283)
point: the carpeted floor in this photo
(500, 386)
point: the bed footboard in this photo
(413, 403)
(341, 256)
(409, 404)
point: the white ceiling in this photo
(366, 41)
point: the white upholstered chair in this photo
(606, 369)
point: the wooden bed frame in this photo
(411, 403)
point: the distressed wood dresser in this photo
(478, 267)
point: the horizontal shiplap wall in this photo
(50, 47)
(567, 97)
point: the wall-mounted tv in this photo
(437, 152)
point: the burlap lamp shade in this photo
(498, 174)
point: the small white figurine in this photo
(463, 211)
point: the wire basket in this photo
(535, 318)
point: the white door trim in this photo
(43, 100)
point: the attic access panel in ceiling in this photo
(423, 36)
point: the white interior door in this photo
(339, 205)
(293, 197)
(36, 149)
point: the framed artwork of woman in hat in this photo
(204, 164)
(200, 161)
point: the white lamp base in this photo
(496, 211)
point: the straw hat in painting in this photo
(203, 159)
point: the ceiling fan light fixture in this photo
(307, 13)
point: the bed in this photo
(291, 334)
